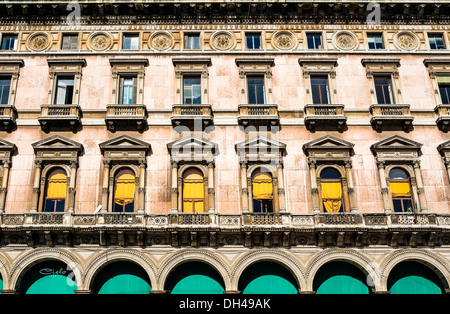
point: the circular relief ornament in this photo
(161, 41)
(345, 41)
(39, 41)
(222, 41)
(284, 40)
(406, 41)
(100, 41)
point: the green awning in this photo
(125, 284)
(53, 284)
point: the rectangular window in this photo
(319, 89)
(69, 42)
(5, 85)
(383, 90)
(436, 41)
(375, 41)
(192, 41)
(64, 90)
(444, 88)
(253, 40)
(314, 40)
(130, 42)
(192, 89)
(255, 87)
(9, 42)
(127, 90)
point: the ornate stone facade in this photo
(224, 91)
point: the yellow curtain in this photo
(400, 189)
(262, 187)
(125, 187)
(331, 196)
(193, 193)
(57, 186)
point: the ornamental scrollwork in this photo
(406, 41)
(161, 41)
(284, 40)
(39, 41)
(345, 41)
(100, 41)
(222, 41)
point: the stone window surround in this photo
(65, 67)
(436, 68)
(55, 152)
(7, 149)
(131, 67)
(255, 66)
(322, 66)
(11, 67)
(386, 67)
(401, 156)
(192, 66)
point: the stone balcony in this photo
(391, 116)
(187, 114)
(443, 117)
(261, 114)
(60, 117)
(325, 116)
(179, 229)
(130, 116)
(8, 115)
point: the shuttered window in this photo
(69, 42)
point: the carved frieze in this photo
(161, 41)
(345, 40)
(406, 41)
(100, 41)
(39, 41)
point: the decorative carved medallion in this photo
(406, 41)
(161, 41)
(284, 40)
(39, 41)
(222, 41)
(100, 41)
(345, 41)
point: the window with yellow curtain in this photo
(401, 190)
(124, 190)
(262, 187)
(55, 191)
(193, 192)
(331, 190)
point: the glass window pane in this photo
(383, 90)
(5, 83)
(9, 42)
(255, 89)
(319, 89)
(253, 41)
(192, 41)
(397, 173)
(436, 41)
(64, 90)
(444, 90)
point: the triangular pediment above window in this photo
(57, 142)
(125, 148)
(396, 146)
(6, 150)
(444, 150)
(57, 148)
(192, 148)
(328, 146)
(260, 148)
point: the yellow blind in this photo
(331, 196)
(400, 189)
(125, 187)
(193, 193)
(262, 187)
(57, 186)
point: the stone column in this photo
(72, 184)
(141, 204)
(174, 186)
(281, 191)
(4, 187)
(211, 192)
(244, 188)
(105, 188)
(314, 189)
(351, 190)
(420, 189)
(36, 186)
(384, 188)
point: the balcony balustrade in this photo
(187, 114)
(261, 114)
(60, 116)
(443, 117)
(325, 116)
(8, 115)
(391, 115)
(127, 116)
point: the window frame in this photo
(249, 86)
(191, 67)
(115, 175)
(65, 67)
(264, 201)
(57, 90)
(327, 89)
(372, 35)
(320, 67)
(71, 42)
(389, 93)
(49, 174)
(401, 199)
(434, 36)
(187, 36)
(252, 35)
(10, 35)
(192, 86)
(131, 36)
(204, 180)
(321, 180)
(11, 68)
(321, 46)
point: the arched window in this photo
(331, 190)
(193, 191)
(262, 187)
(124, 190)
(55, 191)
(401, 190)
